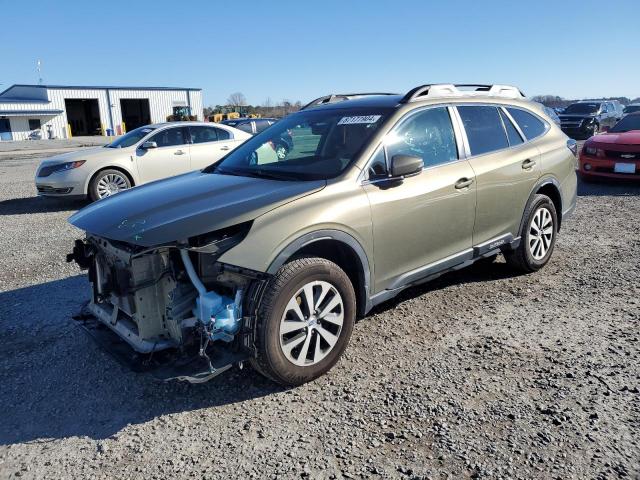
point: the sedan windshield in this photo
(632, 108)
(582, 108)
(308, 145)
(131, 138)
(628, 123)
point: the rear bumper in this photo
(604, 168)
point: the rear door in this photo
(506, 167)
(208, 145)
(425, 218)
(170, 157)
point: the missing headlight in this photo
(220, 241)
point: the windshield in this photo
(628, 123)
(308, 145)
(131, 138)
(583, 108)
(632, 108)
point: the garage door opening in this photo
(135, 113)
(83, 116)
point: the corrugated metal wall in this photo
(161, 103)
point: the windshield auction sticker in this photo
(359, 119)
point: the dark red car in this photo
(613, 154)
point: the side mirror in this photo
(406, 165)
(149, 145)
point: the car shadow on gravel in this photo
(603, 188)
(481, 271)
(57, 383)
(21, 206)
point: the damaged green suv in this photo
(270, 259)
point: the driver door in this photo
(426, 218)
(170, 157)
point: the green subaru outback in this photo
(270, 259)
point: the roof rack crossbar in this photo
(339, 97)
(451, 90)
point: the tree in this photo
(237, 99)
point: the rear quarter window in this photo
(484, 128)
(530, 125)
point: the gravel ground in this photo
(480, 374)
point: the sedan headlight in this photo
(60, 167)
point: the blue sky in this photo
(302, 49)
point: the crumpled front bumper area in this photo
(145, 309)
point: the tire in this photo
(108, 182)
(534, 250)
(279, 326)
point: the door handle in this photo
(528, 164)
(224, 148)
(178, 152)
(463, 183)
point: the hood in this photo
(187, 205)
(631, 137)
(84, 154)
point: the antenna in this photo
(39, 69)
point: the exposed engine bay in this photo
(175, 306)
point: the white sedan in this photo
(143, 155)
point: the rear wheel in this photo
(538, 236)
(305, 321)
(108, 182)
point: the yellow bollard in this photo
(124, 128)
(69, 131)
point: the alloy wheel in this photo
(111, 184)
(311, 323)
(540, 233)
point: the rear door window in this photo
(484, 128)
(245, 127)
(261, 125)
(530, 125)
(203, 134)
(223, 134)
(170, 137)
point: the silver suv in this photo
(271, 259)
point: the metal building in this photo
(64, 111)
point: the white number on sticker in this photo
(359, 119)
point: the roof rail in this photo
(460, 89)
(339, 97)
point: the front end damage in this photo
(172, 310)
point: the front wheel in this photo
(538, 236)
(305, 321)
(108, 182)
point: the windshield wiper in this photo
(261, 173)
